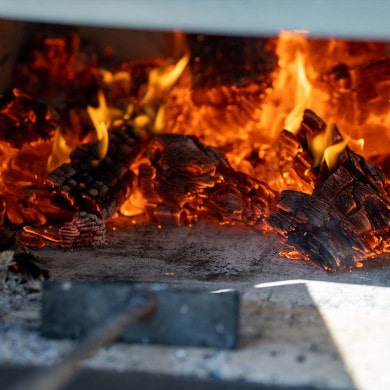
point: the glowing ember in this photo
(243, 142)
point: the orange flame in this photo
(292, 90)
(60, 152)
(101, 117)
(161, 80)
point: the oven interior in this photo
(297, 322)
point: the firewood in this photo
(61, 70)
(318, 231)
(348, 206)
(23, 119)
(85, 229)
(357, 189)
(189, 175)
(100, 187)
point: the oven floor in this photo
(300, 326)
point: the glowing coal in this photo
(181, 139)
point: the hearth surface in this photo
(300, 326)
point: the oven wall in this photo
(11, 36)
(358, 19)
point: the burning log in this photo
(363, 85)
(197, 178)
(25, 126)
(98, 187)
(357, 190)
(318, 231)
(287, 165)
(349, 208)
(93, 189)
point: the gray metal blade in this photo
(182, 317)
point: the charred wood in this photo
(318, 231)
(190, 175)
(23, 119)
(29, 266)
(24, 198)
(294, 162)
(61, 70)
(85, 229)
(360, 89)
(92, 185)
(357, 189)
(349, 206)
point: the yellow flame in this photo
(159, 122)
(134, 205)
(332, 153)
(101, 117)
(322, 149)
(302, 95)
(109, 77)
(355, 144)
(319, 143)
(161, 80)
(60, 153)
(292, 90)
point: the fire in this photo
(292, 89)
(161, 80)
(302, 95)
(243, 143)
(296, 89)
(323, 149)
(102, 117)
(256, 116)
(60, 152)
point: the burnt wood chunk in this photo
(295, 162)
(318, 231)
(96, 186)
(29, 266)
(60, 69)
(23, 119)
(349, 206)
(189, 175)
(84, 230)
(357, 189)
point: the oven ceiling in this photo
(358, 19)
